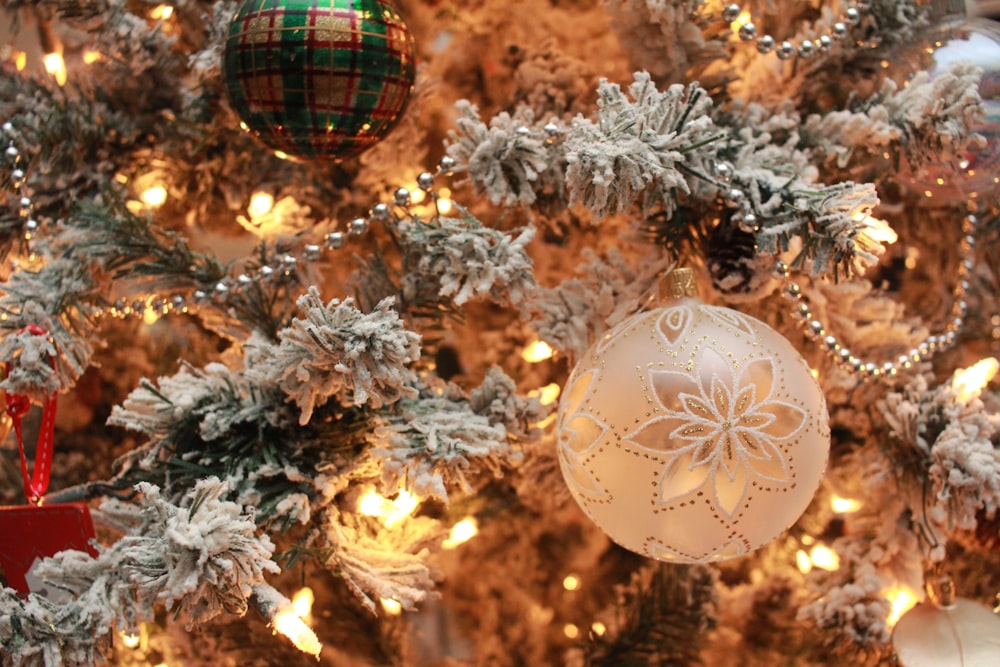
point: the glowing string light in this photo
(571, 582)
(902, 601)
(844, 505)
(56, 66)
(461, 532)
(392, 607)
(295, 629)
(261, 203)
(302, 602)
(536, 352)
(824, 558)
(154, 196)
(970, 382)
(391, 512)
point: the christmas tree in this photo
(311, 314)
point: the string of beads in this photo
(923, 351)
(25, 207)
(288, 263)
(807, 48)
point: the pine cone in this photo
(733, 263)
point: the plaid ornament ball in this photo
(318, 80)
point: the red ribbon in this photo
(36, 484)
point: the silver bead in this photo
(267, 272)
(551, 130)
(447, 164)
(177, 301)
(871, 370)
(380, 212)
(735, 197)
(243, 280)
(825, 43)
(25, 202)
(401, 197)
(786, 51)
(748, 32)
(839, 31)
(852, 16)
(956, 325)
(815, 328)
(12, 151)
(802, 312)
(888, 368)
(17, 175)
(963, 286)
(807, 50)
(425, 181)
(522, 131)
(781, 269)
(844, 355)
(723, 171)
(8, 126)
(793, 291)
(750, 221)
(31, 225)
(831, 343)
(730, 13)
(311, 252)
(969, 224)
(221, 288)
(855, 364)
(335, 240)
(358, 226)
(765, 44)
(915, 355)
(924, 349)
(904, 361)
(950, 339)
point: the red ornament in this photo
(31, 533)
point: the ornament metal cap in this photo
(678, 284)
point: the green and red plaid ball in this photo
(318, 80)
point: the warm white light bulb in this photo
(392, 607)
(824, 558)
(56, 66)
(970, 382)
(154, 196)
(300, 634)
(130, 640)
(844, 505)
(536, 352)
(902, 601)
(260, 205)
(461, 532)
(571, 582)
(302, 602)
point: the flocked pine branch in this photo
(386, 564)
(948, 441)
(458, 259)
(338, 352)
(437, 440)
(932, 118)
(199, 558)
(644, 142)
(506, 159)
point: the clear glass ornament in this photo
(954, 39)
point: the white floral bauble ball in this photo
(693, 433)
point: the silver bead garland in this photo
(287, 264)
(923, 351)
(786, 50)
(18, 177)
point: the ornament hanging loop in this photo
(940, 587)
(678, 284)
(36, 483)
